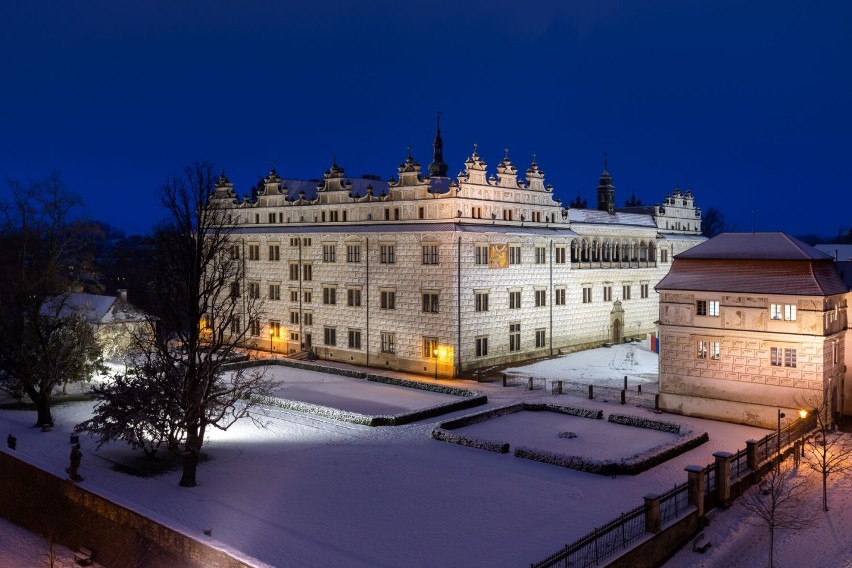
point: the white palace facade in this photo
(445, 276)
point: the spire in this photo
(606, 191)
(438, 168)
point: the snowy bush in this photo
(570, 410)
(637, 422)
(499, 447)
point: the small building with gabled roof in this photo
(751, 323)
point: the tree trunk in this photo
(825, 493)
(190, 459)
(45, 418)
(771, 546)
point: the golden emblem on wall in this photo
(498, 256)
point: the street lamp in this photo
(435, 353)
(271, 334)
(802, 414)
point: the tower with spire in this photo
(438, 168)
(606, 191)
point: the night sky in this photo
(749, 104)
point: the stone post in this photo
(697, 481)
(529, 384)
(623, 396)
(504, 379)
(751, 454)
(591, 392)
(652, 513)
(558, 387)
(723, 475)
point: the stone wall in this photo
(68, 514)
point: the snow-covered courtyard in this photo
(310, 491)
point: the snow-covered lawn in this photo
(600, 439)
(350, 394)
(311, 491)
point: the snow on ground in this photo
(347, 393)
(19, 548)
(311, 491)
(599, 439)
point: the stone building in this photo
(439, 275)
(751, 323)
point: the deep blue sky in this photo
(748, 103)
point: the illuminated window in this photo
(430, 347)
(388, 342)
(785, 312)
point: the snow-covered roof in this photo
(96, 308)
(606, 218)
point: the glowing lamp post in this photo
(435, 353)
(778, 438)
(802, 414)
(271, 334)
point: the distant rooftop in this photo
(754, 246)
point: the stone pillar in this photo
(558, 387)
(652, 513)
(591, 392)
(697, 481)
(751, 454)
(723, 475)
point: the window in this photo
(643, 290)
(708, 350)
(587, 294)
(294, 241)
(607, 293)
(430, 302)
(664, 255)
(420, 213)
(294, 295)
(782, 311)
(254, 290)
(294, 336)
(430, 347)
(274, 252)
(354, 339)
(307, 272)
(387, 254)
(235, 289)
(782, 357)
(294, 271)
(353, 297)
(254, 252)
(430, 254)
(353, 253)
(388, 342)
(560, 255)
(235, 252)
(329, 253)
(560, 297)
(308, 296)
(387, 214)
(515, 337)
(481, 346)
(707, 308)
(713, 308)
(254, 327)
(275, 329)
(540, 298)
(329, 295)
(625, 291)
(236, 329)
(539, 338)
(515, 300)
(329, 335)
(274, 291)
(480, 254)
(514, 254)
(540, 255)
(387, 299)
(308, 318)
(294, 317)
(481, 301)
(396, 213)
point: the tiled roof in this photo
(406, 228)
(786, 277)
(605, 218)
(754, 246)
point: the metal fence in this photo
(595, 547)
(739, 465)
(674, 502)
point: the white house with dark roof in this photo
(750, 323)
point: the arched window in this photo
(643, 252)
(652, 252)
(596, 251)
(574, 253)
(606, 251)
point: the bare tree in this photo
(827, 452)
(44, 255)
(200, 316)
(713, 222)
(776, 502)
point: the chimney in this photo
(122, 294)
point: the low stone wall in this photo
(68, 514)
